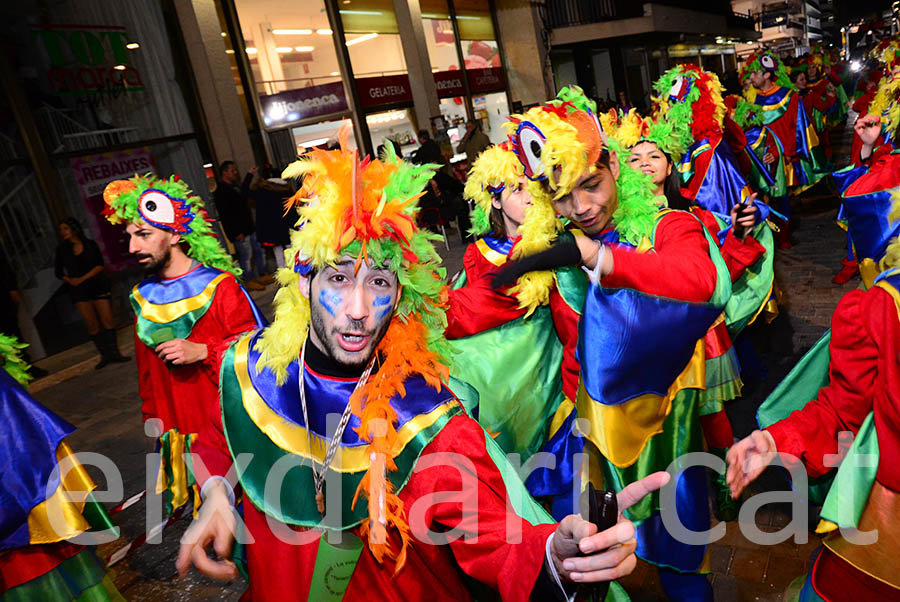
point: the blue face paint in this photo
(330, 301)
(383, 306)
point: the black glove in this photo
(564, 252)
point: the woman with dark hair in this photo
(79, 264)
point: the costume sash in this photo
(636, 352)
(866, 193)
(712, 179)
(773, 106)
(265, 419)
(168, 309)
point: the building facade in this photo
(101, 89)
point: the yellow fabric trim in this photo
(825, 526)
(490, 254)
(168, 312)
(65, 505)
(292, 438)
(811, 136)
(784, 101)
(560, 416)
(894, 293)
(622, 431)
(178, 487)
(868, 271)
(770, 306)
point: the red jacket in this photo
(864, 376)
(182, 396)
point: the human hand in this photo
(254, 170)
(181, 351)
(743, 217)
(592, 252)
(868, 128)
(609, 554)
(214, 525)
(747, 459)
(769, 158)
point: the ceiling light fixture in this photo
(132, 46)
(324, 32)
(284, 49)
(368, 36)
(251, 50)
(120, 67)
(304, 48)
(292, 32)
(373, 13)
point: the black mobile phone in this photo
(602, 510)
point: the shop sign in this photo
(93, 173)
(294, 105)
(87, 59)
(386, 90)
(486, 80)
(449, 83)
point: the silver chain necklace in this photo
(319, 477)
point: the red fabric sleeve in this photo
(143, 356)
(468, 478)
(811, 433)
(477, 307)
(737, 142)
(679, 267)
(565, 321)
(211, 448)
(739, 255)
(233, 316)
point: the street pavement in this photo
(105, 406)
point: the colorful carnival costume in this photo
(781, 113)
(860, 384)
(206, 305)
(640, 336)
(518, 349)
(366, 210)
(36, 560)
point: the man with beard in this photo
(189, 305)
(343, 406)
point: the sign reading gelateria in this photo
(386, 90)
(294, 105)
(87, 59)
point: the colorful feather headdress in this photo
(11, 359)
(561, 141)
(496, 169)
(892, 254)
(367, 210)
(628, 129)
(767, 61)
(745, 114)
(690, 101)
(167, 204)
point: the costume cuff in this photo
(594, 274)
(211, 481)
(552, 569)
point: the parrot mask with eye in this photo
(169, 205)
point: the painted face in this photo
(593, 200)
(647, 158)
(151, 246)
(513, 201)
(351, 312)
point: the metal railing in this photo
(64, 133)
(27, 236)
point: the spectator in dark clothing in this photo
(79, 264)
(10, 299)
(429, 151)
(232, 198)
(273, 226)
